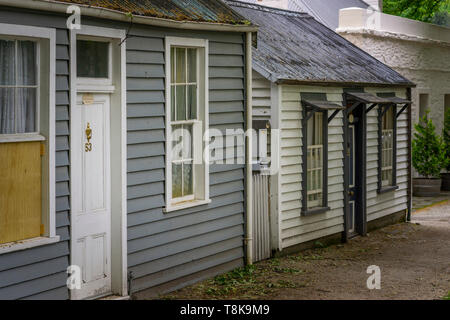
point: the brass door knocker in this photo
(88, 145)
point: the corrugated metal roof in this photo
(215, 11)
(294, 47)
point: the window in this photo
(315, 163)
(387, 148)
(19, 86)
(187, 115)
(315, 153)
(424, 100)
(387, 145)
(27, 137)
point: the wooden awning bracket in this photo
(385, 108)
(403, 109)
(371, 107)
(333, 115)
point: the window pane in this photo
(173, 101)
(187, 142)
(180, 65)
(7, 61)
(7, 111)
(177, 181)
(177, 142)
(92, 59)
(192, 65)
(26, 110)
(181, 102)
(26, 63)
(188, 179)
(192, 102)
(172, 65)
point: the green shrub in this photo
(429, 157)
(446, 137)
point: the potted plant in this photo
(428, 158)
(446, 136)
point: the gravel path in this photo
(414, 259)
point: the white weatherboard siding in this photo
(294, 228)
(261, 97)
(381, 205)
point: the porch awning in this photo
(321, 105)
(365, 97)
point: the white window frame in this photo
(39, 34)
(203, 93)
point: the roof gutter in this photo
(105, 13)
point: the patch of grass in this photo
(447, 297)
(275, 262)
(236, 281)
(283, 284)
(286, 270)
(319, 244)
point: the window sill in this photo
(27, 244)
(24, 137)
(387, 189)
(186, 205)
(314, 211)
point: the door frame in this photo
(118, 132)
(360, 225)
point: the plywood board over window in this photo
(20, 191)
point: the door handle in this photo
(88, 145)
(351, 193)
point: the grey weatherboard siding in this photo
(162, 247)
(40, 273)
(197, 242)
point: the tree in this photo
(428, 148)
(422, 10)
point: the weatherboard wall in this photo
(295, 228)
(163, 248)
(381, 205)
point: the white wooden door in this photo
(91, 203)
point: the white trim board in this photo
(119, 132)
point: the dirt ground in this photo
(414, 259)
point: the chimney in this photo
(280, 4)
(375, 4)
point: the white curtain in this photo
(17, 102)
(7, 78)
(26, 73)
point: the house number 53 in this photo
(88, 145)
